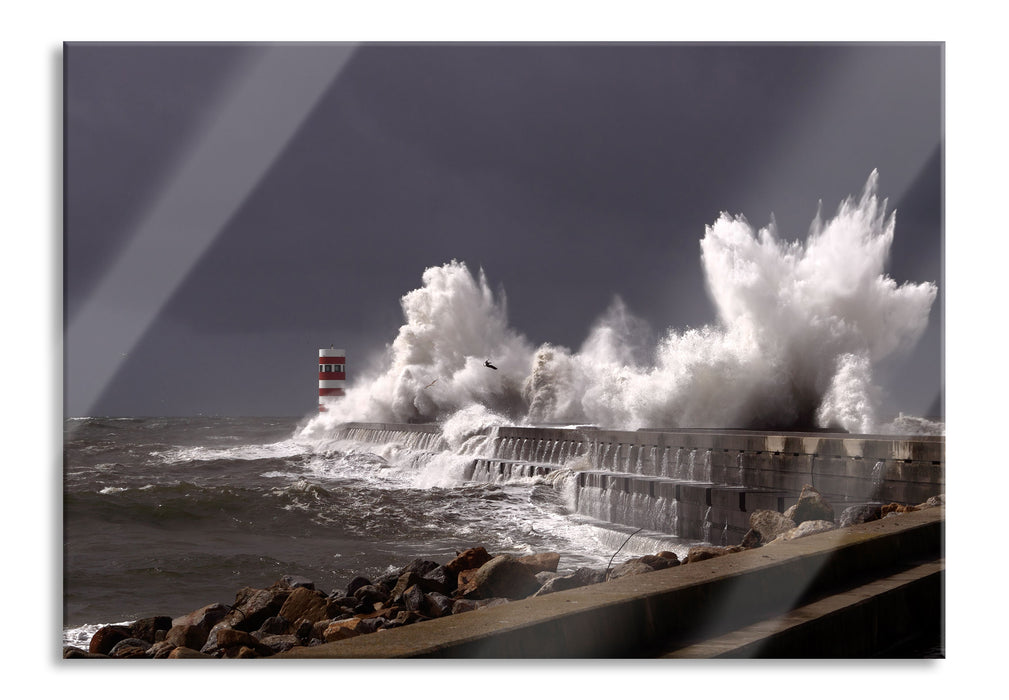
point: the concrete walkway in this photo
(855, 592)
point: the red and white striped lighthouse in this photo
(332, 374)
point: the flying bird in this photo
(488, 364)
(431, 384)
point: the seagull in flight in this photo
(488, 364)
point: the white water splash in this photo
(800, 326)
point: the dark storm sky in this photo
(569, 173)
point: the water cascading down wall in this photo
(694, 484)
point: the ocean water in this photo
(164, 515)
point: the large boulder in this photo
(855, 515)
(131, 648)
(770, 523)
(807, 528)
(306, 603)
(189, 636)
(230, 639)
(147, 628)
(107, 637)
(545, 561)
(254, 605)
(504, 576)
(630, 568)
(204, 618)
(810, 506)
(472, 558)
(437, 605)
(343, 629)
(371, 594)
(581, 577)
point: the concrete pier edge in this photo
(650, 615)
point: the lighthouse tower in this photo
(332, 374)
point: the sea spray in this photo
(799, 327)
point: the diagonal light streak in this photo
(248, 133)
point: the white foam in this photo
(800, 325)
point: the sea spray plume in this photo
(799, 326)
(808, 305)
(452, 324)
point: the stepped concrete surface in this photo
(861, 591)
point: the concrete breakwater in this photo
(696, 484)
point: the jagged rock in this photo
(751, 539)
(807, 528)
(190, 636)
(437, 605)
(855, 515)
(147, 628)
(107, 637)
(187, 653)
(205, 618)
(280, 642)
(546, 561)
(347, 601)
(439, 579)
(160, 650)
(581, 577)
(703, 552)
(211, 646)
(630, 568)
(342, 629)
(502, 577)
(356, 583)
(253, 605)
(130, 648)
(319, 629)
(472, 558)
(229, 638)
(278, 624)
(305, 603)
(405, 581)
(810, 506)
(374, 593)
(413, 599)
(770, 523)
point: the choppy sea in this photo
(164, 515)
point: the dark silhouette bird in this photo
(488, 364)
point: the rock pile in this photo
(291, 612)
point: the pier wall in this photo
(696, 484)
